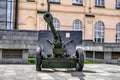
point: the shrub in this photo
(31, 60)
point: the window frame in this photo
(117, 6)
(79, 26)
(99, 55)
(56, 25)
(118, 32)
(99, 28)
(12, 54)
(10, 15)
(75, 3)
(99, 3)
(54, 1)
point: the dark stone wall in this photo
(18, 39)
(75, 36)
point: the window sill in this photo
(77, 4)
(30, 0)
(100, 6)
(118, 8)
(54, 2)
(89, 15)
(41, 12)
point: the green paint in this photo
(32, 60)
(58, 63)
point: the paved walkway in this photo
(91, 72)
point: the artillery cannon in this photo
(57, 49)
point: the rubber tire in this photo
(38, 60)
(80, 64)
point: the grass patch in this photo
(90, 62)
(32, 61)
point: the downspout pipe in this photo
(16, 15)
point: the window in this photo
(99, 32)
(7, 11)
(77, 25)
(99, 3)
(54, 1)
(118, 4)
(115, 55)
(56, 24)
(77, 2)
(118, 33)
(11, 53)
(99, 55)
(89, 54)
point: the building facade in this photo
(99, 21)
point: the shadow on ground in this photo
(81, 75)
(73, 73)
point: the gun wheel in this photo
(38, 60)
(80, 64)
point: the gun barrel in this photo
(49, 20)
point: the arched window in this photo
(77, 25)
(79, 2)
(54, 1)
(118, 4)
(7, 14)
(56, 24)
(118, 33)
(99, 32)
(99, 3)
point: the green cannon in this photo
(57, 49)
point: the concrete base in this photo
(107, 58)
(24, 40)
(23, 60)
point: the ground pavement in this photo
(90, 72)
